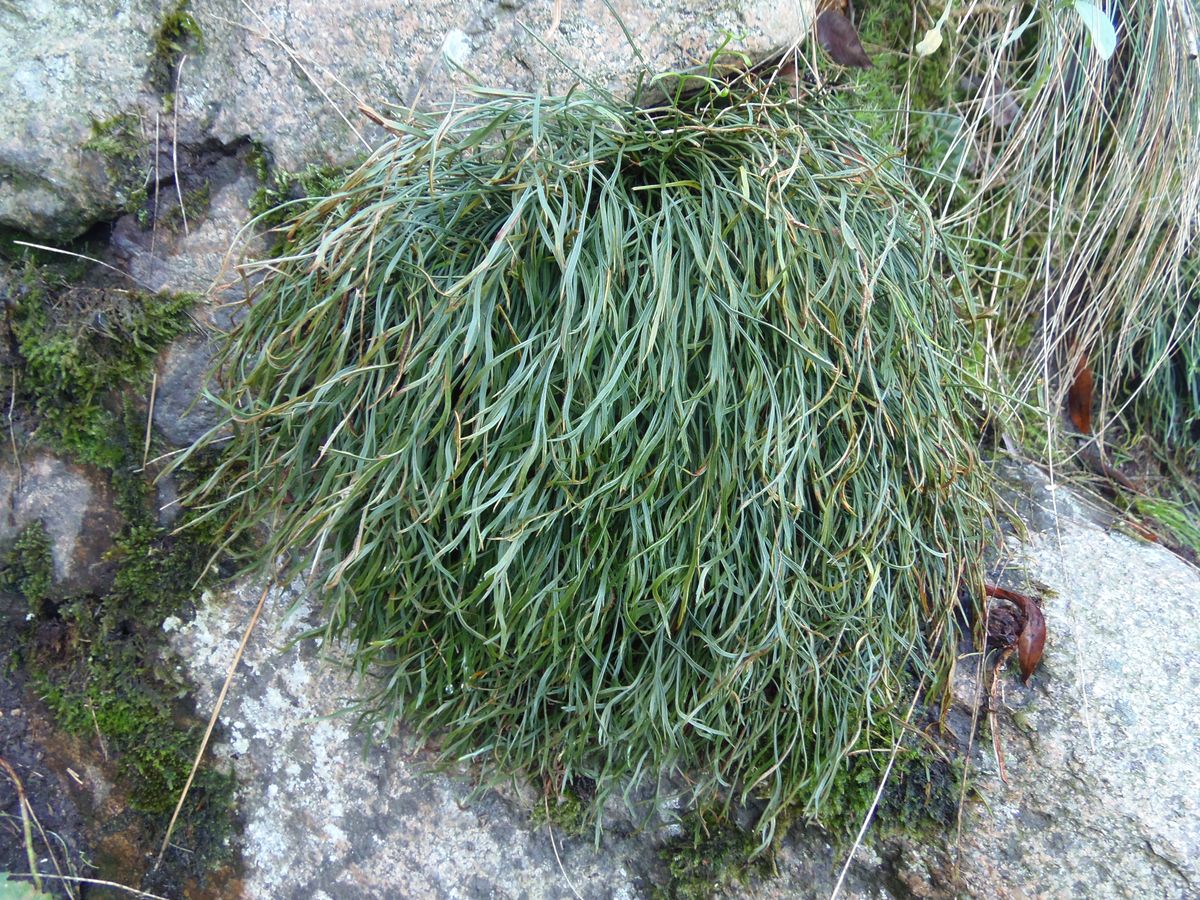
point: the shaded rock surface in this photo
(1100, 753)
(179, 413)
(203, 258)
(1103, 798)
(290, 74)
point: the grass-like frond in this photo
(1097, 188)
(1078, 177)
(1166, 387)
(620, 440)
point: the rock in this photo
(201, 260)
(323, 819)
(291, 74)
(181, 414)
(1102, 799)
(85, 100)
(75, 504)
(67, 66)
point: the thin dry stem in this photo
(212, 721)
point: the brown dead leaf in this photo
(1079, 397)
(1031, 640)
(840, 40)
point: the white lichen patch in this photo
(457, 46)
(322, 818)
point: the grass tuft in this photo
(619, 439)
(1080, 177)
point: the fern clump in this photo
(619, 439)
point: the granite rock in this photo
(67, 67)
(292, 74)
(75, 505)
(1101, 798)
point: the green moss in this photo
(110, 676)
(568, 814)
(908, 101)
(195, 203)
(177, 33)
(280, 194)
(921, 796)
(99, 660)
(713, 855)
(28, 567)
(118, 138)
(120, 143)
(76, 345)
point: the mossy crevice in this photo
(117, 138)
(178, 33)
(78, 350)
(282, 194)
(121, 145)
(921, 797)
(713, 855)
(100, 664)
(80, 362)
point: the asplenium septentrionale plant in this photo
(623, 440)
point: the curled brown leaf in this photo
(1031, 641)
(1079, 398)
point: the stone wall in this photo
(114, 111)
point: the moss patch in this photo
(177, 33)
(921, 796)
(118, 138)
(27, 567)
(195, 203)
(121, 144)
(82, 359)
(902, 86)
(282, 194)
(103, 671)
(712, 856)
(77, 348)
(100, 665)
(569, 814)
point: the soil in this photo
(26, 738)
